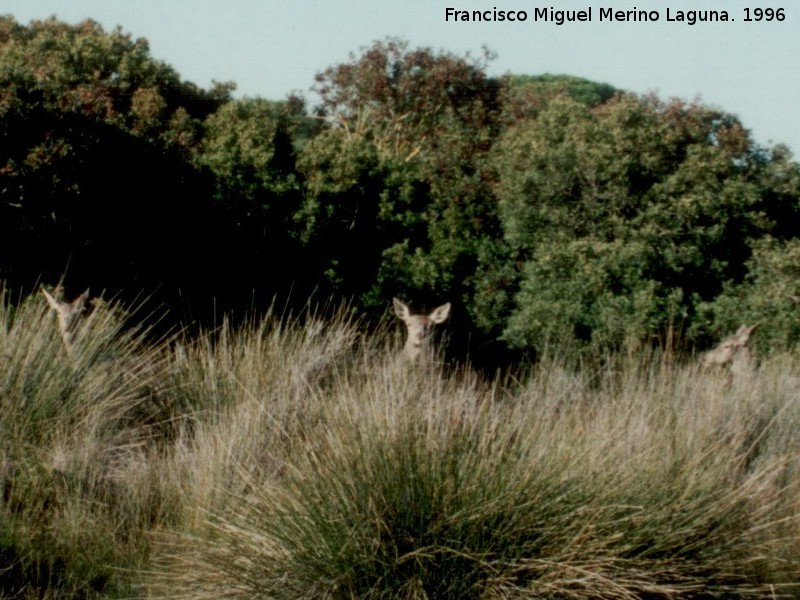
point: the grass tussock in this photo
(421, 486)
(71, 426)
(294, 458)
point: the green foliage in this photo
(399, 98)
(769, 297)
(526, 95)
(404, 162)
(81, 69)
(625, 217)
(93, 157)
(246, 145)
(547, 208)
(584, 290)
(339, 219)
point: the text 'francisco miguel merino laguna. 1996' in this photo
(560, 16)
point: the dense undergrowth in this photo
(299, 458)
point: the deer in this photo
(733, 352)
(419, 326)
(68, 314)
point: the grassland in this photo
(298, 458)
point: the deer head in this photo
(67, 313)
(733, 351)
(419, 326)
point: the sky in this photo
(271, 48)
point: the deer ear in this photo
(50, 300)
(440, 314)
(745, 331)
(81, 300)
(401, 309)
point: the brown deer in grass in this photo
(419, 326)
(733, 352)
(68, 314)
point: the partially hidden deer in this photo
(419, 326)
(68, 314)
(733, 352)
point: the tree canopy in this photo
(549, 209)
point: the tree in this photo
(524, 96)
(414, 128)
(94, 174)
(769, 297)
(623, 218)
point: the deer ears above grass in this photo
(732, 349)
(67, 313)
(419, 326)
(61, 306)
(436, 316)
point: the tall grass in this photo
(253, 393)
(412, 483)
(69, 428)
(294, 458)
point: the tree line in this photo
(550, 210)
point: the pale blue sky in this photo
(273, 47)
